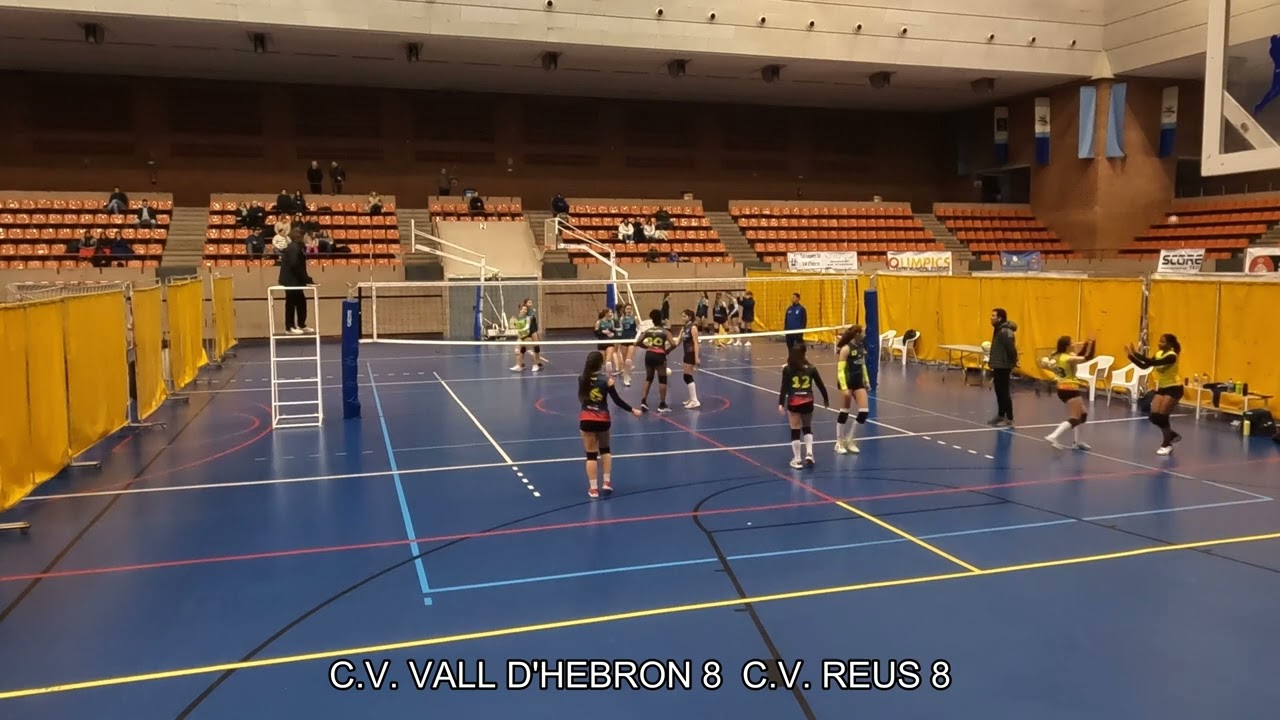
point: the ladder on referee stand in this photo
(296, 380)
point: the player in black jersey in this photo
(595, 388)
(851, 376)
(795, 400)
(692, 358)
(657, 342)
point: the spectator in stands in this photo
(284, 203)
(283, 225)
(88, 242)
(444, 184)
(476, 205)
(626, 231)
(652, 255)
(299, 202)
(674, 257)
(256, 244)
(560, 206)
(117, 202)
(242, 214)
(257, 215)
(293, 274)
(663, 219)
(338, 175)
(652, 233)
(146, 215)
(375, 203)
(797, 318)
(315, 178)
(120, 248)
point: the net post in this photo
(351, 332)
(871, 311)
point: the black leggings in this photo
(1000, 378)
(295, 309)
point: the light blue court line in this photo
(404, 506)
(829, 548)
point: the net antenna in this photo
(425, 242)
(568, 237)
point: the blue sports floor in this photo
(214, 569)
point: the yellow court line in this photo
(598, 619)
(908, 536)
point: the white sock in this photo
(795, 449)
(808, 444)
(1057, 432)
(606, 478)
(1075, 434)
(693, 392)
(850, 429)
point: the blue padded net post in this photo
(871, 311)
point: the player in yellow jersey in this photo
(851, 374)
(1168, 382)
(1062, 363)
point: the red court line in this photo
(297, 552)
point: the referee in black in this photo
(293, 274)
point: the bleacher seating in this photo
(692, 238)
(38, 228)
(989, 229)
(1221, 226)
(776, 227)
(372, 239)
(496, 209)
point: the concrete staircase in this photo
(556, 264)
(418, 266)
(735, 243)
(943, 235)
(1270, 237)
(185, 245)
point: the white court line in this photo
(483, 466)
(510, 463)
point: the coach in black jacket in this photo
(293, 274)
(1003, 359)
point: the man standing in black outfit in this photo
(293, 274)
(1003, 359)
(315, 178)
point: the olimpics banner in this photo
(822, 262)
(1185, 261)
(933, 261)
(1262, 260)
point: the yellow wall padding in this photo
(16, 475)
(97, 367)
(224, 316)
(1112, 314)
(1247, 349)
(1044, 309)
(828, 302)
(148, 342)
(185, 305)
(893, 293)
(1188, 309)
(47, 389)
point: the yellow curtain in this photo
(893, 295)
(828, 302)
(224, 315)
(16, 472)
(47, 389)
(185, 305)
(1112, 315)
(97, 367)
(1044, 310)
(1247, 349)
(963, 317)
(148, 339)
(1188, 309)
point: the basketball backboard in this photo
(1241, 92)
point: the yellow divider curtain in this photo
(185, 305)
(964, 320)
(1044, 309)
(224, 316)
(1247, 349)
(893, 294)
(16, 473)
(1188, 309)
(1112, 314)
(828, 302)
(925, 316)
(148, 348)
(49, 451)
(97, 367)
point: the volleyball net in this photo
(467, 310)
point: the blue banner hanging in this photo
(1042, 131)
(1088, 119)
(1002, 135)
(1168, 120)
(351, 321)
(1025, 261)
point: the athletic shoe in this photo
(662, 408)
(746, 344)
(840, 448)
(1083, 446)
(1054, 442)
(692, 405)
(593, 493)
(607, 488)
(536, 368)
(306, 329)
(1176, 438)
(625, 381)
(809, 461)
(996, 421)
(853, 446)
(644, 407)
(1165, 450)
(519, 368)
(294, 331)
(797, 464)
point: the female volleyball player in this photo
(534, 334)
(720, 314)
(657, 342)
(796, 400)
(1062, 363)
(704, 305)
(689, 339)
(604, 330)
(1164, 369)
(594, 422)
(526, 327)
(627, 350)
(851, 376)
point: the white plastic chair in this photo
(904, 346)
(1094, 370)
(886, 339)
(1130, 378)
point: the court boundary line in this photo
(616, 617)
(511, 464)
(548, 461)
(418, 563)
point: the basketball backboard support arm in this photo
(1219, 105)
